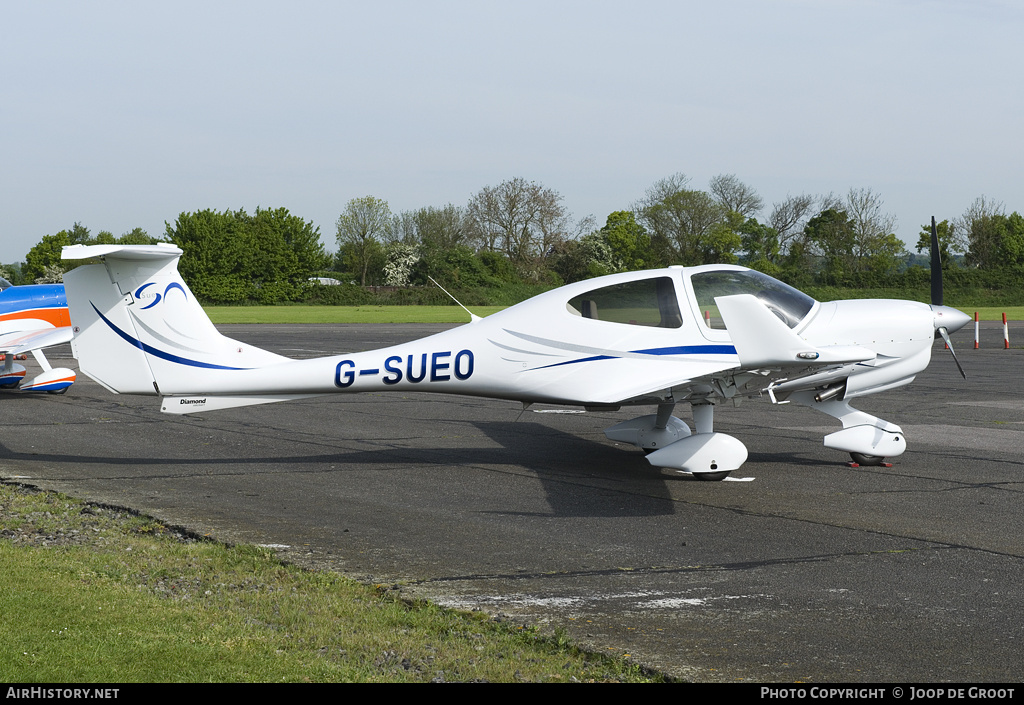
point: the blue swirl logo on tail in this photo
(159, 297)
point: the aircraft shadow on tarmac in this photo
(579, 472)
(579, 476)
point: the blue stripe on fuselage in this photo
(676, 350)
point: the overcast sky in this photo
(123, 115)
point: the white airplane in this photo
(32, 318)
(631, 339)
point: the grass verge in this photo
(93, 594)
(995, 313)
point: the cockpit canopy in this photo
(4, 284)
(655, 302)
(789, 304)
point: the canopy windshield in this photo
(789, 304)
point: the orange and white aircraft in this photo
(32, 318)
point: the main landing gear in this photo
(862, 460)
(669, 443)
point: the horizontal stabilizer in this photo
(763, 340)
(159, 251)
(22, 342)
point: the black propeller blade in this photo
(937, 294)
(945, 336)
(936, 268)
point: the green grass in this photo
(345, 314)
(90, 594)
(995, 313)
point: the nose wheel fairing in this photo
(862, 435)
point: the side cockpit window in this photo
(645, 302)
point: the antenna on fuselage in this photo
(472, 316)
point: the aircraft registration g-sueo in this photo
(630, 339)
(31, 318)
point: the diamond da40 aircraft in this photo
(631, 339)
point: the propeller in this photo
(936, 267)
(945, 336)
(943, 312)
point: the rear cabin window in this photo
(645, 302)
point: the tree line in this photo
(525, 228)
(43, 264)
(517, 238)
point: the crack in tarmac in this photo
(656, 570)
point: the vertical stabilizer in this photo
(138, 328)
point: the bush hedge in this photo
(962, 287)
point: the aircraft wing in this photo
(26, 341)
(761, 343)
(764, 341)
(649, 381)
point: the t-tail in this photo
(138, 329)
